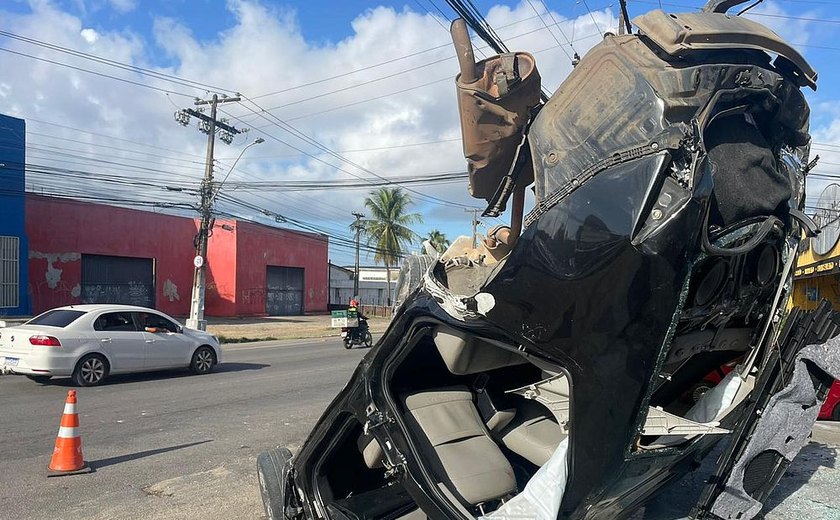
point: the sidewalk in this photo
(238, 330)
(266, 328)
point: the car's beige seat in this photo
(371, 451)
(529, 429)
(459, 446)
(462, 354)
(533, 433)
(465, 354)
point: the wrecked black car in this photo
(539, 374)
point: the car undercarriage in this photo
(539, 374)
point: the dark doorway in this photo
(284, 291)
(118, 279)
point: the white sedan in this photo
(90, 342)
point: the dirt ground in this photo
(238, 330)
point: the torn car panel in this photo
(680, 34)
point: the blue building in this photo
(14, 293)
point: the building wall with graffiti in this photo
(80, 252)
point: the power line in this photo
(115, 138)
(441, 178)
(351, 87)
(113, 63)
(385, 62)
(549, 30)
(402, 91)
(300, 135)
(303, 225)
(769, 15)
(118, 148)
(101, 74)
(592, 16)
(357, 150)
(557, 24)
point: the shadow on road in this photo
(103, 463)
(238, 367)
(678, 499)
(162, 374)
(813, 456)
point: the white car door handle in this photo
(150, 341)
(105, 340)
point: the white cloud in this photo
(263, 51)
(89, 35)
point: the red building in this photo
(94, 253)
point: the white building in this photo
(372, 287)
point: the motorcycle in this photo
(357, 335)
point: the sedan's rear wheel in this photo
(39, 379)
(203, 360)
(90, 370)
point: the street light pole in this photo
(358, 226)
(258, 140)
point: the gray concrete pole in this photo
(196, 320)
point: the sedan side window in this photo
(156, 321)
(115, 322)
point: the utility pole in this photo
(624, 20)
(358, 226)
(210, 126)
(474, 225)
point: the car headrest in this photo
(466, 354)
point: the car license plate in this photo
(9, 361)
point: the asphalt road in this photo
(169, 445)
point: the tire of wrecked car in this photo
(270, 470)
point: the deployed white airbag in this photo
(540, 500)
(709, 407)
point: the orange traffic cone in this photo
(67, 456)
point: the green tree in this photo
(438, 240)
(387, 230)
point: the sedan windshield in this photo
(56, 318)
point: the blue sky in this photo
(392, 112)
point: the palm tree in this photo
(387, 229)
(438, 240)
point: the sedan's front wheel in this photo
(203, 360)
(90, 370)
